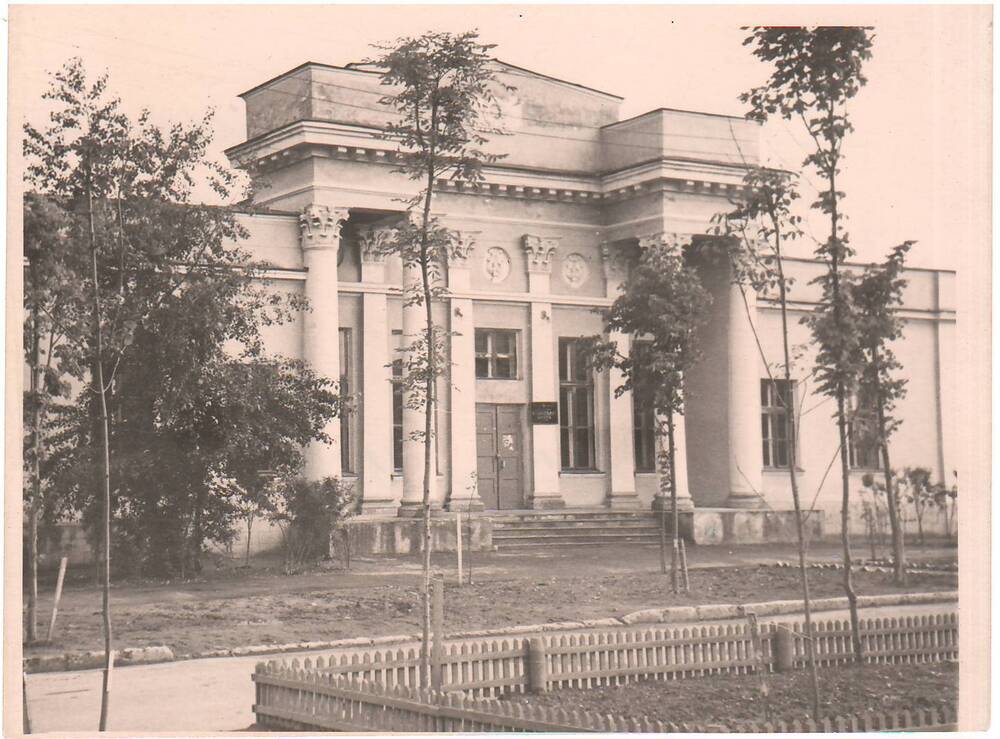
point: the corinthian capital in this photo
(320, 226)
(539, 251)
(375, 243)
(665, 239)
(462, 246)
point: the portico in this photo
(544, 243)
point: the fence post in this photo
(437, 647)
(784, 649)
(538, 677)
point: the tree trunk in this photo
(793, 427)
(106, 465)
(895, 525)
(36, 477)
(675, 553)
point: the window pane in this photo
(767, 452)
(581, 448)
(503, 367)
(482, 367)
(764, 393)
(564, 446)
(481, 341)
(397, 447)
(565, 413)
(780, 425)
(502, 342)
(563, 365)
(781, 453)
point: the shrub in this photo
(308, 513)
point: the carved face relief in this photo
(575, 270)
(496, 264)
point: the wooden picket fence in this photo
(291, 698)
(496, 666)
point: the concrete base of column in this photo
(416, 509)
(378, 507)
(627, 501)
(662, 503)
(744, 500)
(547, 501)
(462, 505)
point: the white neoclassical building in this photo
(521, 424)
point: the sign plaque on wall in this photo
(544, 413)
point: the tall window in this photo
(397, 405)
(644, 437)
(576, 407)
(496, 354)
(643, 426)
(776, 402)
(347, 412)
(862, 440)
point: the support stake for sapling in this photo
(58, 597)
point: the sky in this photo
(917, 166)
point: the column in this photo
(414, 325)
(376, 401)
(622, 493)
(745, 455)
(464, 494)
(320, 228)
(544, 375)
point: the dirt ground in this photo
(843, 690)
(380, 596)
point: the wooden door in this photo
(499, 446)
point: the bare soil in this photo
(717, 698)
(381, 597)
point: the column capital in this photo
(375, 242)
(320, 226)
(539, 251)
(671, 240)
(614, 263)
(462, 247)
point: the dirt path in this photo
(376, 600)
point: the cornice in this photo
(303, 140)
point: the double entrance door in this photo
(499, 448)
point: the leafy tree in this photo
(755, 233)
(156, 267)
(663, 305)
(442, 86)
(52, 305)
(815, 73)
(877, 295)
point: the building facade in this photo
(545, 240)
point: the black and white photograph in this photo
(398, 369)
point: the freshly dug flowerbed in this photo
(718, 698)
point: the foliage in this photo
(195, 407)
(815, 72)
(309, 512)
(663, 306)
(923, 495)
(442, 90)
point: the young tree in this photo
(877, 295)
(663, 305)
(443, 89)
(756, 232)
(816, 72)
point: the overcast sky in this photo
(917, 166)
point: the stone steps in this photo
(536, 530)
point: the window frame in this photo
(490, 355)
(397, 404)
(348, 425)
(855, 452)
(770, 410)
(575, 384)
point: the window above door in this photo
(496, 354)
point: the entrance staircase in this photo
(524, 531)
